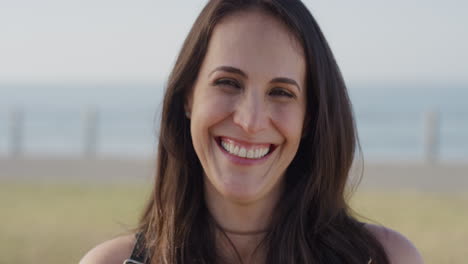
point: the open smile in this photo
(245, 150)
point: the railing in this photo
(17, 132)
(91, 125)
(89, 132)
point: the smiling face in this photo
(247, 106)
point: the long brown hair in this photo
(312, 223)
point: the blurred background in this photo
(81, 84)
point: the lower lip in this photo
(242, 161)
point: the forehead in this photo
(256, 43)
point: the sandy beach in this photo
(417, 176)
(99, 170)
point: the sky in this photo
(91, 41)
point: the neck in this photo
(240, 217)
(241, 233)
(242, 225)
(240, 248)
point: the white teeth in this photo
(253, 153)
(242, 152)
(225, 146)
(235, 151)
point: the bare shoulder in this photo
(398, 248)
(114, 251)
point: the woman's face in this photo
(247, 106)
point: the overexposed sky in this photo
(137, 41)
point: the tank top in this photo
(139, 251)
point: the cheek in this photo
(208, 108)
(289, 120)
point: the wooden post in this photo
(16, 132)
(90, 124)
(431, 136)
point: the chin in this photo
(240, 188)
(244, 196)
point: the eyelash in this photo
(228, 82)
(281, 92)
(233, 83)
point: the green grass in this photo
(44, 223)
(436, 223)
(59, 223)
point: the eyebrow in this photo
(243, 74)
(287, 81)
(229, 69)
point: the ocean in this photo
(391, 119)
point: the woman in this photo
(257, 140)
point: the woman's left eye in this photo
(281, 93)
(227, 82)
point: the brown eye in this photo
(281, 93)
(228, 82)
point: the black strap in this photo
(139, 251)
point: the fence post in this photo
(90, 125)
(16, 132)
(431, 136)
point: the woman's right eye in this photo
(227, 82)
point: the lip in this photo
(244, 161)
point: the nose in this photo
(251, 113)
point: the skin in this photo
(250, 89)
(250, 107)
